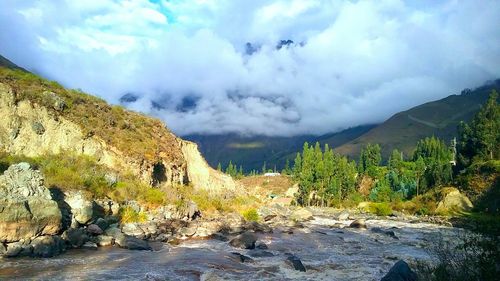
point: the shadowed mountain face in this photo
(438, 118)
(252, 152)
(8, 64)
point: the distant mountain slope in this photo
(439, 118)
(252, 152)
(8, 64)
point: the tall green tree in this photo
(369, 160)
(481, 137)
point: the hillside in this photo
(252, 152)
(41, 117)
(438, 118)
(4, 62)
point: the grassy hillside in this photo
(132, 133)
(438, 118)
(4, 62)
(252, 152)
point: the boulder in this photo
(102, 223)
(245, 240)
(261, 246)
(453, 201)
(301, 214)
(75, 237)
(13, 249)
(81, 208)
(104, 240)
(295, 262)
(359, 223)
(219, 236)
(47, 246)
(400, 272)
(90, 245)
(132, 229)
(94, 229)
(26, 206)
(344, 215)
(258, 227)
(114, 232)
(260, 254)
(242, 258)
(132, 243)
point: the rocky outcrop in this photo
(400, 272)
(453, 201)
(31, 129)
(200, 174)
(26, 207)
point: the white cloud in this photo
(359, 62)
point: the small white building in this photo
(271, 174)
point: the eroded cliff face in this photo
(30, 129)
(200, 174)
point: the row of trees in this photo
(325, 177)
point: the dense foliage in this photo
(326, 178)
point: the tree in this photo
(219, 167)
(264, 169)
(481, 137)
(419, 171)
(369, 160)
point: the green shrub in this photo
(380, 209)
(251, 215)
(128, 214)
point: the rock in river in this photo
(245, 240)
(26, 206)
(296, 263)
(359, 223)
(400, 272)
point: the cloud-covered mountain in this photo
(312, 67)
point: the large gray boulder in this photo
(47, 246)
(453, 201)
(75, 237)
(81, 208)
(26, 206)
(301, 214)
(400, 272)
(245, 240)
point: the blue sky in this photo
(352, 62)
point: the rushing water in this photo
(328, 254)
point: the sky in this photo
(188, 62)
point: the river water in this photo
(328, 253)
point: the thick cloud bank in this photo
(188, 62)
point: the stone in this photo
(359, 223)
(453, 202)
(102, 223)
(26, 206)
(301, 214)
(188, 231)
(245, 240)
(132, 243)
(219, 236)
(242, 258)
(38, 128)
(90, 245)
(400, 272)
(208, 228)
(75, 237)
(114, 232)
(258, 227)
(295, 262)
(132, 229)
(260, 254)
(261, 246)
(13, 249)
(389, 233)
(104, 240)
(81, 208)
(344, 215)
(47, 246)
(94, 229)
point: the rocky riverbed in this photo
(49, 235)
(327, 248)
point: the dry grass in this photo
(132, 133)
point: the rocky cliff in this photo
(41, 117)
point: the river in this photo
(328, 253)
